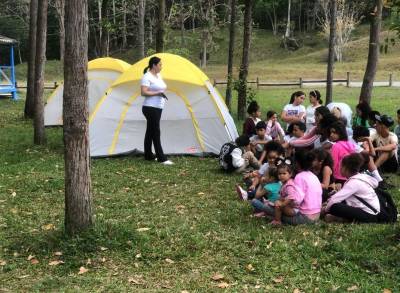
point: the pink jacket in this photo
(339, 150)
(361, 185)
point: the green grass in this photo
(197, 226)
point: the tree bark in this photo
(244, 67)
(331, 54)
(124, 29)
(141, 13)
(39, 134)
(29, 110)
(60, 6)
(287, 32)
(78, 201)
(373, 53)
(160, 27)
(228, 98)
(104, 40)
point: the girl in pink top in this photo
(341, 148)
(274, 129)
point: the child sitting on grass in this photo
(274, 128)
(258, 141)
(249, 126)
(322, 167)
(273, 150)
(237, 156)
(267, 192)
(287, 204)
(397, 132)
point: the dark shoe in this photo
(150, 158)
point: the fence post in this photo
(301, 82)
(390, 79)
(257, 82)
(215, 82)
(348, 79)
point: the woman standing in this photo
(152, 89)
(315, 101)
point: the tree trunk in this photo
(300, 8)
(78, 201)
(331, 55)
(244, 67)
(228, 98)
(182, 21)
(160, 26)
(104, 40)
(287, 32)
(373, 53)
(60, 6)
(141, 12)
(30, 92)
(39, 134)
(124, 30)
(100, 23)
(204, 51)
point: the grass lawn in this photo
(173, 228)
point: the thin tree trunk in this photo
(228, 98)
(287, 32)
(124, 30)
(204, 52)
(373, 53)
(331, 55)
(39, 134)
(60, 6)
(300, 4)
(182, 20)
(29, 110)
(244, 67)
(78, 201)
(99, 4)
(160, 26)
(141, 13)
(104, 41)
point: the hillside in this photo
(267, 60)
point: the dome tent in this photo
(195, 119)
(102, 72)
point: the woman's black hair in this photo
(323, 156)
(274, 146)
(270, 114)
(340, 129)
(252, 107)
(322, 110)
(301, 125)
(152, 61)
(354, 163)
(304, 159)
(365, 110)
(360, 131)
(294, 95)
(372, 114)
(316, 94)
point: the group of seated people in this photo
(324, 164)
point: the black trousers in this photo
(344, 211)
(153, 134)
(390, 166)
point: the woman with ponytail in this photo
(315, 101)
(152, 89)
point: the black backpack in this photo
(388, 213)
(225, 156)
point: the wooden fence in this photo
(47, 86)
(298, 83)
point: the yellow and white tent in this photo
(195, 119)
(102, 72)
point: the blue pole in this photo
(13, 90)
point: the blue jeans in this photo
(298, 219)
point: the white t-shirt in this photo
(260, 147)
(292, 110)
(382, 141)
(155, 84)
(310, 116)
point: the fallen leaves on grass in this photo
(170, 261)
(82, 270)
(58, 253)
(387, 291)
(223, 285)
(55, 262)
(34, 261)
(135, 281)
(217, 277)
(102, 248)
(250, 267)
(278, 280)
(352, 288)
(48, 227)
(2, 262)
(142, 229)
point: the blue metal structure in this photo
(7, 72)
